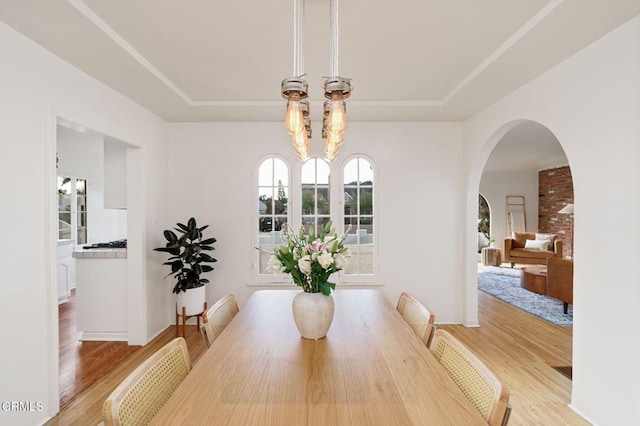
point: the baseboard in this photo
(89, 336)
(578, 412)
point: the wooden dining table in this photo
(370, 369)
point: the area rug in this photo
(504, 283)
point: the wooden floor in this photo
(520, 348)
(89, 371)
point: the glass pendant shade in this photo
(337, 121)
(294, 120)
(300, 138)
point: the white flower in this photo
(304, 263)
(325, 260)
(340, 261)
(275, 266)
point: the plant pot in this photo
(313, 314)
(193, 300)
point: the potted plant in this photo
(188, 261)
(310, 260)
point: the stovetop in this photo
(111, 244)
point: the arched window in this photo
(358, 182)
(315, 203)
(273, 206)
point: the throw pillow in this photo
(536, 245)
(548, 237)
(519, 239)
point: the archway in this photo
(545, 152)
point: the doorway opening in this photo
(95, 179)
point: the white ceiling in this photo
(410, 60)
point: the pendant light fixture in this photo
(336, 90)
(295, 90)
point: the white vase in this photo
(193, 300)
(313, 314)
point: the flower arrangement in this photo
(310, 259)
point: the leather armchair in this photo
(514, 254)
(560, 280)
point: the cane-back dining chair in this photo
(477, 382)
(417, 316)
(143, 392)
(218, 316)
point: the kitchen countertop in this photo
(101, 253)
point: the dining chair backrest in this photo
(143, 392)
(417, 316)
(205, 336)
(477, 382)
(218, 316)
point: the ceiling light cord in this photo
(333, 72)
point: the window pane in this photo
(273, 200)
(309, 224)
(350, 201)
(81, 186)
(309, 172)
(358, 215)
(323, 200)
(351, 172)
(308, 200)
(281, 223)
(366, 201)
(265, 174)
(280, 173)
(323, 172)
(322, 221)
(365, 171)
(365, 230)
(281, 201)
(265, 204)
(264, 258)
(265, 224)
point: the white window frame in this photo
(361, 278)
(256, 277)
(294, 218)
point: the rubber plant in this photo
(188, 260)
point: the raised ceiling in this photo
(410, 60)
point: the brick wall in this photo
(555, 190)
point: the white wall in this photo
(35, 87)
(591, 103)
(496, 185)
(418, 194)
(82, 155)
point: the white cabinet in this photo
(101, 294)
(66, 266)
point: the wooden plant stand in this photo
(185, 318)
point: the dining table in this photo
(370, 369)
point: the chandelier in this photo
(295, 91)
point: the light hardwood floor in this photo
(521, 349)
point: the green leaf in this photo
(191, 224)
(210, 247)
(170, 236)
(197, 268)
(206, 268)
(183, 227)
(208, 241)
(203, 228)
(206, 258)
